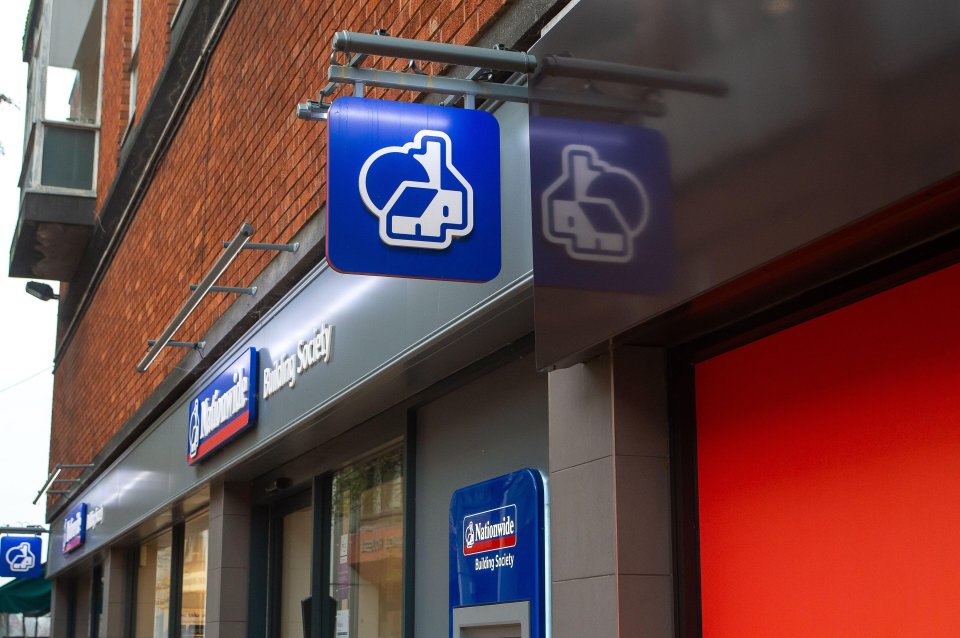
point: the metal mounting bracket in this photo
(54, 477)
(233, 248)
(485, 63)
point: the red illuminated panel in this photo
(829, 473)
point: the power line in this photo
(25, 379)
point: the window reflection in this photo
(367, 559)
(153, 587)
(194, 604)
(295, 579)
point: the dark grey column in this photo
(228, 565)
(58, 608)
(610, 523)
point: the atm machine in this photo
(497, 558)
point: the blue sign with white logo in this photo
(223, 409)
(75, 528)
(413, 190)
(603, 206)
(21, 557)
(497, 545)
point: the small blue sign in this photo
(223, 409)
(413, 190)
(602, 206)
(497, 545)
(22, 556)
(75, 528)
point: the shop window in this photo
(171, 582)
(297, 542)
(153, 587)
(98, 628)
(194, 584)
(366, 577)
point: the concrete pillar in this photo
(59, 603)
(610, 498)
(228, 563)
(116, 596)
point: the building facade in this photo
(711, 378)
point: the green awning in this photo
(27, 596)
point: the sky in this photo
(27, 325)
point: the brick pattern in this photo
(240, 156)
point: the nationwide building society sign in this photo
(413, 190)
(223, 409)
(227, 406)
(21, 557)
(497, 545)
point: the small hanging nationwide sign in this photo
(223, 409)
(413, 190)
(21, 557)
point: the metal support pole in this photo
(489, 90)
(289, 248)
(426, 83)
(53, 477)
(50, 479)
(349, 42)
(233, 249)
(193, 345)
(251, 290)
(37, 530)
(627, 74)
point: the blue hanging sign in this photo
(21, 557)
(75, 528)
(602, 207)
(497, 545)
(413, 190)
(223, 409)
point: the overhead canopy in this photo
(29, 596)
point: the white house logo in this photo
(20, 559)
(594, 210)
(222, 409)
(490, 530)
(430, 206)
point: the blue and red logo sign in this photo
(224, 408)
(75, 528)
(497, 545)
(487, 531)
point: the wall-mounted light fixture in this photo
(43, 292)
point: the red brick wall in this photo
(113, 101)
(240, 156)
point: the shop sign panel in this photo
(413, 190)
(75, 528)
(22, 557)
(224, 408)
(497, 545)
(603, 211)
